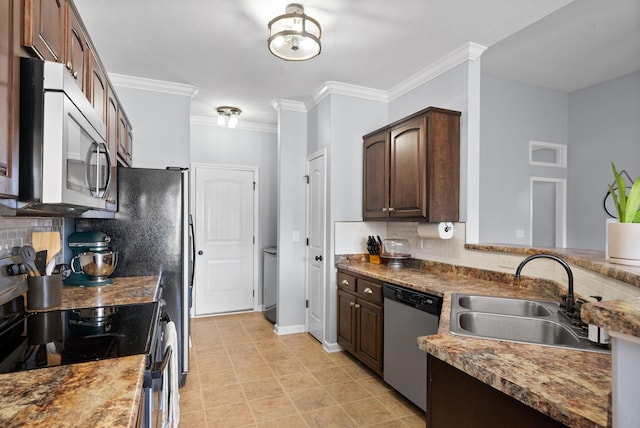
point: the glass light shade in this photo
(233, 120)
(294, 36)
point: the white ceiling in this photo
(219, 46)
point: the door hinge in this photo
(254, 239)
(254, 185)
(307, 178)
(254, 293)
(306, 303)
(307, 242)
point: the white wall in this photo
(292, 149)
(604, 127)
(599, 124)
(216, 145)
(160, 123)
(513, 113)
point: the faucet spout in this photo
(570, 302)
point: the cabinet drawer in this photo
(346, 282)
(369, 290)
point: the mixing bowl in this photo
(97, 265)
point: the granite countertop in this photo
(571, 386)
(621, 316)
(123, 291)
(103, 393)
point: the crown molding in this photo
(290, 105)
(153, 85)
(242, 125)
(468, 52)
(339, 88)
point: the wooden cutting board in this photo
(49, 241)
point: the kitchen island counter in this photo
(102, 393)
(570, 386)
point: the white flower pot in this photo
(623, 243)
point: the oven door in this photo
(157, 381)
(76, 163)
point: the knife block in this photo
(374, 259)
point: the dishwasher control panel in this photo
(422, 301)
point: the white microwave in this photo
(65, 165)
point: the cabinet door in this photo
(346, 321)
(408, 160)
(375, 195)
(97, 86)
(76, 49)
(43, 28)
(369, 334)
(9, 95)
(112, 145)
(124, 138)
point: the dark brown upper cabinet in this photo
(44, 28)
(412, 168)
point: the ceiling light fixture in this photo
(228, 115)
(294, 36)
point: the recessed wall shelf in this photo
(547, 154)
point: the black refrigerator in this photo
(153, 234)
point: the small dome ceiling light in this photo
(228, 115)
(294, 36)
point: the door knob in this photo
(200, 253)
(319, 258)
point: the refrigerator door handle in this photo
(193, 252)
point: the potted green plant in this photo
(623, 236)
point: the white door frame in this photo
(561, 208)
(256, 213)
(309, 158)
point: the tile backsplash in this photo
(16, 231)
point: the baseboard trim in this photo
(332, 347)
(289, 329)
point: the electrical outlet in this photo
(519, 233)
(507, 262)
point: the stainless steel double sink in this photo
(516, 320)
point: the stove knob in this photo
(16, 269)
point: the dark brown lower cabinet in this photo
(360, 317)
(456, 399)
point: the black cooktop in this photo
(45, 339)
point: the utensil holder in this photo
(44, 292)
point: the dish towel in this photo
(173, 400)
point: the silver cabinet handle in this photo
(391, 209)
(384, 210)
(75, 75)
(352, 303)
(368, 291)
(69, 65)
(357, 306)
(344, 282)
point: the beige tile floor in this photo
(242, 374)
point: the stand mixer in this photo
(92, 261)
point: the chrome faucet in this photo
(569, 303)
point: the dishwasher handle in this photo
(419, 300)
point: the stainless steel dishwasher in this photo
(407, 315)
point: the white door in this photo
(224, 223)
(316, 207)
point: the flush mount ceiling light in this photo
(294, 36)
(228, 115)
